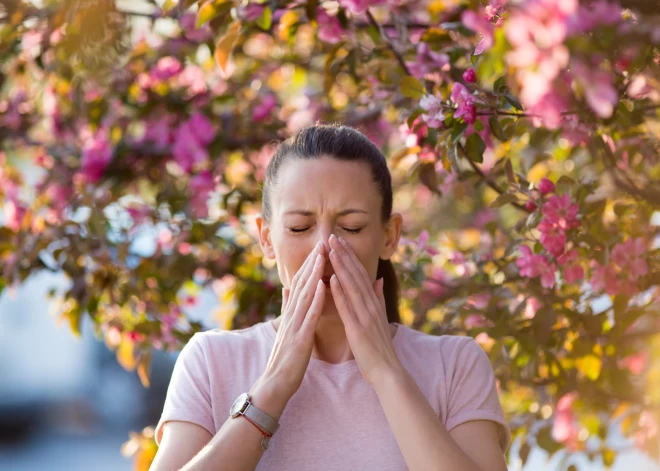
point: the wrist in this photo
(267, 395)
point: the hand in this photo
(302, 305)
(361, 306)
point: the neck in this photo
(330, 341)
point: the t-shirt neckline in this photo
(316, 364)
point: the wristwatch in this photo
(243, 406)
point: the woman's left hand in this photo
(361, 306)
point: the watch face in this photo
(237, 406)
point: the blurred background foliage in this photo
(522, 139)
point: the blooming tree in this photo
(522, 138)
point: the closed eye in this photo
(351, 231)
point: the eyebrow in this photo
(341, 213)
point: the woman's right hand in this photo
(301, 309)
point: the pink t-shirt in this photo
(335, 420)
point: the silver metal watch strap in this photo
(262, 419)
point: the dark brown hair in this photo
(342, 143)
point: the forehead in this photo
(325, 184)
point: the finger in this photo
(307, 294)
(343, 308)
(302, 276)
(314, 314)
(361, 280)
(352, 283)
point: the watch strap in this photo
(260, 418)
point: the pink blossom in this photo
(193, 78)
(553, 237)
(530, 206)
(158, 130)
(479, 300)
(647, 429)
(546, 186)
(561, 211)
(598, 88)
(330, 29)
(187, 149)
(629, 256)
(636, 363)
(360, 6)
(480, 25)
(200, 187)
(475, 320)
(96, 155)
(165, 68)
(433, 107)
(250, 12)
(530, 264)
(14, 213)
(202, 128)
(428, 63)
(604, 277)
(469, 75)
(188, 22)
(464, 99)
(263, 109)
(590, 16)
(531, 307)
(434, 287)
(564, 427)
(164, 239)
(573, 271)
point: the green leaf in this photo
(265, 20)
(544, 440)
(457, 131)
(416, 112)
(475, 147)
(504, 198)
(565, 184)
(500, 84)
(513, 101)
(496, 129)
(524, 452)
(508, 168)
(412, 88)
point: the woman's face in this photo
(315, 198)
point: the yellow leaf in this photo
(225, 45)
(143, 368)
(168, 5)
(590, 366)
(125, 356)
(207, 12)
(412, 88)
(287, 20)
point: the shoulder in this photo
(447, 346)
(218, 341)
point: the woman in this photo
(336, 380)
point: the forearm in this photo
(421, 436)
(237, 445)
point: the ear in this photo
(264, 237)
(393, 230)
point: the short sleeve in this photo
(473, 392)
(188, 395)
